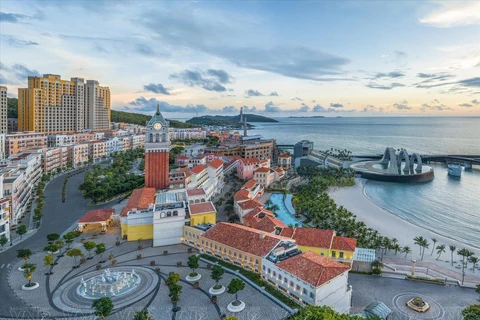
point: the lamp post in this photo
(413, 267)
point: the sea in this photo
(447, 206)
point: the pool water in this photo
(283, 214)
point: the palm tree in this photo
(274, 208)
(406, 250)
(465, 253)
(424, 244)
(268, 203)
(434, 240)
(418, 241)
(397, 248)
(452, 250)
(440, 250)
(474, 261)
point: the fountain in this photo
(418, 304)
(108, 284)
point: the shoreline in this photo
(388, 224)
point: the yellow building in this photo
(52, 105)
(202, 213)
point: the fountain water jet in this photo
(108, 284)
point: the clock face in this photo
(157, 126)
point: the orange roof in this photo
(287, 232)
(313, 268)
(342, 243)
(198, 169)
(199, 208)
(243, 238)
(256, 215)
(262, 170)
(249, 161)
(279, 170)
(249, 184)
(183, 157)
(241, 195)
(284, 156)
(140, 199)
(313, 237)
(250, 204)
(195, 192)
(269, 224)
(216, 163)
(97, 215)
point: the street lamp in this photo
(413, 267)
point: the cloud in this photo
(436, 105)
(336, 105)
(372, 108)
(18, 17)
(156, 88)
(384, 87)
(470, 82)
(466, 105)
(304, 108)
(211, 80)
(297, 98)
(199, 31)
(270, 107)
(399, 58)
(453, 14)
(389, 75)
(433, 77)
(313, 101)
(229, 109)
(249, 109)
(18, 74)
(402, 105)
(273, 94)
(142, 104)
(16, 42)
(145, 50)
(319, 108)
(475, 101)
(256, 93)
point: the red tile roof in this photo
(313, 268)
(284, 156)
(249, 161)
(198, 169)
(140, 199)
(279, 170)
(199, 208)
(268, 224)
(241, 195)
(262, 170)
(313, 237)
(256, 215)
(250, 184)
(243, 238)
(217, 163)
(342, 243)
(287, 232)
(97, 215)
(196, 192)
(183, 157)
(250, 204)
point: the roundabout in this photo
(124, 285)
(402, 303)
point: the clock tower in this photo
(157, 149)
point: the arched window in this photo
(197, 201)
(203, 200)
(175, 213)
(169, 213)
(150, 139)
(162, 215)
(158, 137)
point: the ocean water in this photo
(448, 206)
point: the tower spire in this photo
(158, 108)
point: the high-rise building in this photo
(157, 149)
(3, 110)
(52, 105)
(97, 106)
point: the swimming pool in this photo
(283, 213)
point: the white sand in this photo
(354, 199)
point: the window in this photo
(298, 287)
(274, 274)
(215, 247)
(202, 241)
(230, 252)
(256, 261)
(312, 296)
(280, 277)
(234, 254)
(263, 268)
(291, 284)
(206, 243)
(322, 254)
(268, 271)
(304, 291)
(341, 254)
(334, 254)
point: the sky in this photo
(275, 58)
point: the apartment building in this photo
(137, 141)
(78, 154)
(52, 105)
(54, 158)
(97, 149)
(21, 141)
(114, 145)
(187, 133)
(12, 124)
(246, 166)
(4, 212)
(3, 110)
(3, 137)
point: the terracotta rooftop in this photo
(249, 161)
(250, 204)
(284, 156)
(183, 157)
(262, 170)
(268, 224)
(241, 195)
(195, 192)
(198, 169)
(287, 232)
(243, 238)
(342, 243)
(313, 237)
(250, 184)
(97, 215)
(216, 163)
(313, 268)
(199, 208)
(256, 215)
(279, 170)
(140, 199)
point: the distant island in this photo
(213, 121)
(249, 117)
(307, 117)
(141, 119)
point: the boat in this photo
(454, 170)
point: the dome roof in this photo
(157, 117)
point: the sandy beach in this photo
(354, 199)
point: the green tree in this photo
(434, 240)
(100, 249)
(89, 246)
(440, 250)
(103, 307)
(21, 230)
(53, 237)
(175, 291)
(473, 260)
(322, 313)
(234, 286)
(477, 290)
(193, 264)
(24, 254)
(51, 248)
(406, 250)
(60, 244)
(465, 253)
(47, 262)
(74, 253)
(452, 250)
(471, 312)
(217, 274)
(68, 237)
(28, 270)
(142, 315)
(3, 241)
(173, 278)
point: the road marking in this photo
(3, 265)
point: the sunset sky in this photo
(352, 58)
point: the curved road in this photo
(57, 218)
